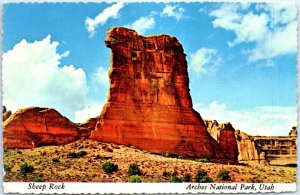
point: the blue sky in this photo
(242, 57)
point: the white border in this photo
(149, 188)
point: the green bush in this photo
(176, 180)
(38, 179)
(7, 168)
(186, 178)
(224, 175)
(55, 160)
(203, 160)
(81, 153)
(206, 179)
(202, 177)
(109, 167)
(134, 169)
(26, 168)
(166, 174)
(255, 179)
(135, 179)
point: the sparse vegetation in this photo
(224, 175)
(55, 160)
(166, 174)
(81, 153)
(109, 167)
(135, 179)
(26, 168)
(255, 179)
(134, 169)
(38, 179)
(176, 180)
(186, 178)
(7, 168)
(203, 160)
(202, 177)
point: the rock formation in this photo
(280, 150)
(149, 104)
(224, 134)
(249, 151)
(34, 126)
(5, 113)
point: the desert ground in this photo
(56, 164)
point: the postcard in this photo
(126, 97)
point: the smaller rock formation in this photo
(224, 134)
(33, 127)
(249, 151)
(5, 113)
(293, 132)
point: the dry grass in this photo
(88, 168)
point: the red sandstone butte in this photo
(149, 105)
(224, 134)
(32, 127)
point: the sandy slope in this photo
(88, 168)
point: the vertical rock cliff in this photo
(149, 104)
(224, 134)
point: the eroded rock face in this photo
(249, 151)
(34, 126)
(224, 134)
(149, 104)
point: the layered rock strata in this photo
(224, 134)
(149, 104)
(249, 151)
(34, 126)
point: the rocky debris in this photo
(293, 132)
(249, 151)
(224, 134)
(32, 127)
(149, 105)
(5, 113)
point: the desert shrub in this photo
(109, 167)
(202, 177)
(134, 169)
(203, 160)
(38, 179)
(81, 153)
(55, 160)
(26, 168)
(135, 179)
(19, 152)
(166, 174)
(255, 179)
(176, 180)
(186, 178)
(5, 150)
(72, 155)
(224, 175)
(169, 155)
(7, 168)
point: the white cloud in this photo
(173, 11)
(91, 110)
(142, 24)
(263, 120)
(102, 17)
(101, 77)
(272, 28)
(205, 61)
(33, 76)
